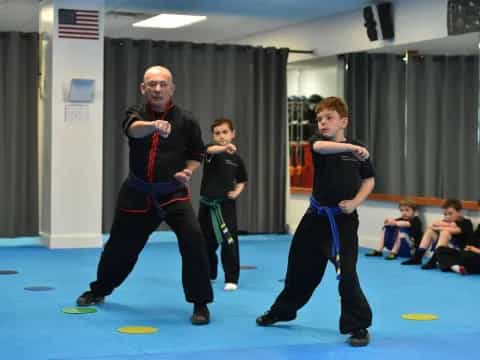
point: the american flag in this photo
(78, 24)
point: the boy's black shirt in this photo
(221, 172)
(338, 176)
(466, 235)
(416, 228)
(475, 240)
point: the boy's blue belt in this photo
(330, 212)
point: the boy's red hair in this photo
(333, 103)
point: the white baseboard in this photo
(366, 241)
(71, 241)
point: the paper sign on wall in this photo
(76, 112)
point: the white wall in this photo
(372, 214)
(313, 77)
(414, 20)
(304, 79)
(46, 25)
(71, 150)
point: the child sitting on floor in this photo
(466, 261)
(454, 230)
(401, 235)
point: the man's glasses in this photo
(155, 84)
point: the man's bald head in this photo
(158, 87)
(156, 70)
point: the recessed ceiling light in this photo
(169, 21)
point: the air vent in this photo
(128, 14)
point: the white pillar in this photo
(70, 133)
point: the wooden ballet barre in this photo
(419, 200)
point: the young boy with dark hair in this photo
(466, 261)
(401, 235)
(454, 230)
(224, 178)
(343, 179)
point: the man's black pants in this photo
(129, 234)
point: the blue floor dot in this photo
(8, 272)
(152, 294)
(39, 288)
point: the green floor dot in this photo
(79, 310)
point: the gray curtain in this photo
(442, 139)
(246, 84)
(420, 122)
(18, 134)
(375, 89)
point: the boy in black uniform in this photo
(454, 230)
(466, 261)
(401, 235)
(343, 178)
(165, 148)
(224, 178)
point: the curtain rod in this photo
(175, 43)
(311, 52)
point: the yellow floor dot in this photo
(420, 317)
(137, 330)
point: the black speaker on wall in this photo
(370, 23)
(379, 18)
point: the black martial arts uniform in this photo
(448, 256)
(337, 177)
(150, 195)
(221, 172)
(458, 241)
(410, 240)
(461, 240)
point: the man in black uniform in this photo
(224, 178)
(344, 177)
(165, 149)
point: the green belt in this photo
(219, 227)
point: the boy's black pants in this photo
(128, 236)
(229, 253)
(447, 257)
(309, 255)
